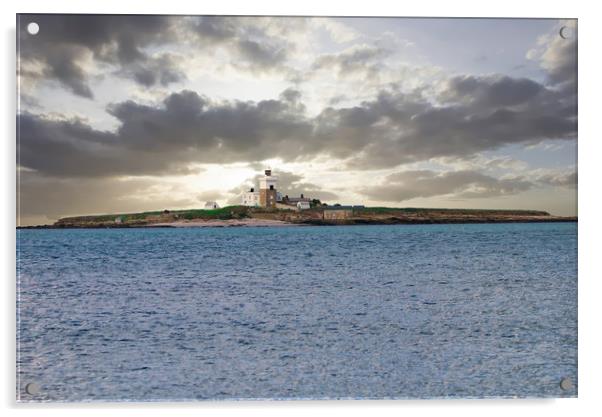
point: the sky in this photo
(122, 114)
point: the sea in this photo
(316, 312)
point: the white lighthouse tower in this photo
(267, 189)
(267, 196)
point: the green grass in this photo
(239, 212)
(224, 213)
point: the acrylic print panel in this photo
(176, 175)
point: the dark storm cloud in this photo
(224, 132)
(215, 28)
(71, 148)
(248, 38)
(491, 91)
(477, 114)
(68, 45)
(150, 140)
(62, 66)
(407, 185)
(261, 55)
(65, 42)
(163, 70)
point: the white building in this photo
(250, 198)
(210, 205)
(303, 205)
(266, 196)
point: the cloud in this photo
(294, 185)
(558, 179)
(186, 128)
(558, 56)
(263, 56)
(210, 195)
(469, 115)
(490, 91)
(250, 39)
(474, 114)
(289, 183)
(69, 46)
(73, 49)
(406, 185)
(214, 28)
(164, 70)
(338, 31)
(254, 44)
(383, 114)
(483, 163)
(44, 199)
(71, 148)
(362, 58)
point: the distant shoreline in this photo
(321, 215)
(226, 223)
(278, 223)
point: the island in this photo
(245, 216)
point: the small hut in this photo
(303, 205)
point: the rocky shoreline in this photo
(312, 221)
(226, 223)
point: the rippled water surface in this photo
(298, 312)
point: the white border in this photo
(590, 150)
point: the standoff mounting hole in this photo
(566, 32)
(566, 384)
(32, 388)
(33, 28)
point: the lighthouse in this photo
(267, 189)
